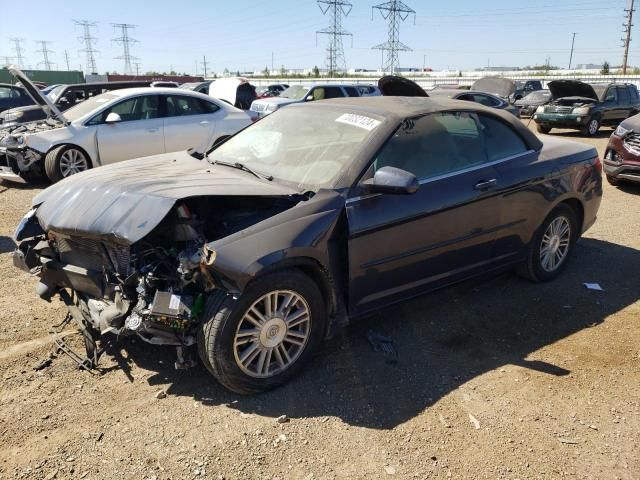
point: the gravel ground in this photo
(496, 378)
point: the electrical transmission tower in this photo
(45, 54)
(17, 47)
(335, 52)
(627, 40)
(395, 12)
(66, 59)
(6, 60)
(125, 40)
(89, 41)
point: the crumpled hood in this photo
(571, 88)
(496, 85)
(124, 202)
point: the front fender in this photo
(300, 232)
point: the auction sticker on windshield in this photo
(359, 121)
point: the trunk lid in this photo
(496, 85)
(394, 86)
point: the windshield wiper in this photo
(242, 166)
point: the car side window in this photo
(611, 96)
(500, 139)
(435, 144)
(145, 107)
(485, 100)
(182, 105)
(633, 92)
(333, 92)
(351, 91)
(623, 96)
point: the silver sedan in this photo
(115, 126)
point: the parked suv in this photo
(587, 106)
(303, 93)
(64, 97)
(622, 156)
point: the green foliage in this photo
(606, 68)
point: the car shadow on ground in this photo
(443, 340)
(632, 188)
(6, 244)
(604, 132)
(32, 185)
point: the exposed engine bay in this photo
(13, 146)
(155, 288)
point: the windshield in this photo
(308, 148)
(538, 96)
(83, 108)
(55, 93)
(297, 92)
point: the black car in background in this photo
(317, 214)
(12, 96)
(64, 97)
(525, 87)
(530, 102)
(587, 106)
(483, 98)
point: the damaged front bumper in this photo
(15, 162)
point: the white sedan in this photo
(115, 126)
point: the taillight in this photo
(598, 164)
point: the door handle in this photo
(152, 130)
(485, 184)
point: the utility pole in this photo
(627, 40)
(89, 41)
(204, 65)
(137, 64)
(66, 59)
(335, 51)
(424, 62)
(573, 41)
(125, 40)
(17, 47)
(271, 63)
(395, 12)
(45, 54)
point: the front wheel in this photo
(592, 127)
(264, 338)
(551, 246)
(543, 129)
(64, 161)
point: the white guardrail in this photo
(431, 82)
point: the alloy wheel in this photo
(555, 244)
(72, 161)
(594, 125)
(272, 334)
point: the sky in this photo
(243, 34)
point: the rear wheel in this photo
(264, 338)
(64, 161)
(552, 245)
(543, 129)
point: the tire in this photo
(592, 127)
(64, 161)
(534, 267)
(543, 129)
(224, 316)
(613, 181)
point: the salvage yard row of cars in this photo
(252, 244)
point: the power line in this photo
(335, 51)
(45, 54)
(89, 41)
(6, 60)
(627, 40)
(395, 12)
(125, 40)
(17, 47)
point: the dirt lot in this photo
(496, 378)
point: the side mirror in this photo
(309, 98)
(112, 118)
(392, 180)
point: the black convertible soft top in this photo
(407, 107)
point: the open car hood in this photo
(124, 202)
(571, 88)
(394, 86)
(34, 92)
(496, 85)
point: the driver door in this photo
(401, 245)
(139, 133)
